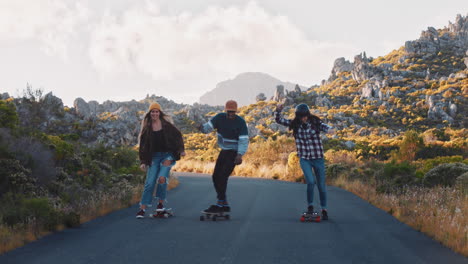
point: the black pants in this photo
(224, 167)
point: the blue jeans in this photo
(156, 170)
(318, 166)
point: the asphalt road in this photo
(264, 228)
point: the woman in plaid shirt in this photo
(306, 130)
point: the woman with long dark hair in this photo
(306, 131)
(160, 145)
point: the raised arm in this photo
(279, 117)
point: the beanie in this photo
(302, 109)
(154, 106)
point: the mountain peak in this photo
(244, 88)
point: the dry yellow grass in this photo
(438, 212)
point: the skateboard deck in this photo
(162, 213)
(214, 216)
(310, 217)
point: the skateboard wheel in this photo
(302, 219)
(202, 218)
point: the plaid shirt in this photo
(308, 142)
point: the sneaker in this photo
(160, 207)
(226, 208)
(324, 215)
(214, 209)
(310, 209)
(140, 214)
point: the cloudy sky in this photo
(124, 49)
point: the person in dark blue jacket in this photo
(233, 139)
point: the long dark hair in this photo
(297, 122)
(146, 122)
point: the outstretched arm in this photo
(326, 128)
(210, 125)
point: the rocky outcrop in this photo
(323, 101)
(372, 89)
(279, 94)
(436, 109)
(82, 108)
(454, 38)
(260, 97)
(4, 96)
(362, 70)
(340, 65)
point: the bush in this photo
(335, 170)
(21, 210)
(410, 145)
(445, 174)
(427, 165)
(71, 219)
(8, 115)
(395, 176)
(62, 149)
(43, 212)
(15, 178)
(434, 151)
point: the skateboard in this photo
(310, 217)
(162, 213)
(214, 216)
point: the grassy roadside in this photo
(437, 212)
(20, 235)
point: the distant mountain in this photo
(244, 88)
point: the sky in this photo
(125, 49)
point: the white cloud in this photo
(52, 23)
(216, 42)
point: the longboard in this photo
(214, 216)
(162, 213)
(310, 217)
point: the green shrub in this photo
(335, 170)
(429, 164)
(16, 209)
(71, 219)
(462, 183)
(410, 145)
(434, 151)
(62, 148)
(395, 176)
(8, 115)
(445, 174)
(15, 178)
(43, 212)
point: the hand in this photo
(200, 128)
(143, 167)
(279, 108)
(182, 153)
(238, 160)
(331, 131)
